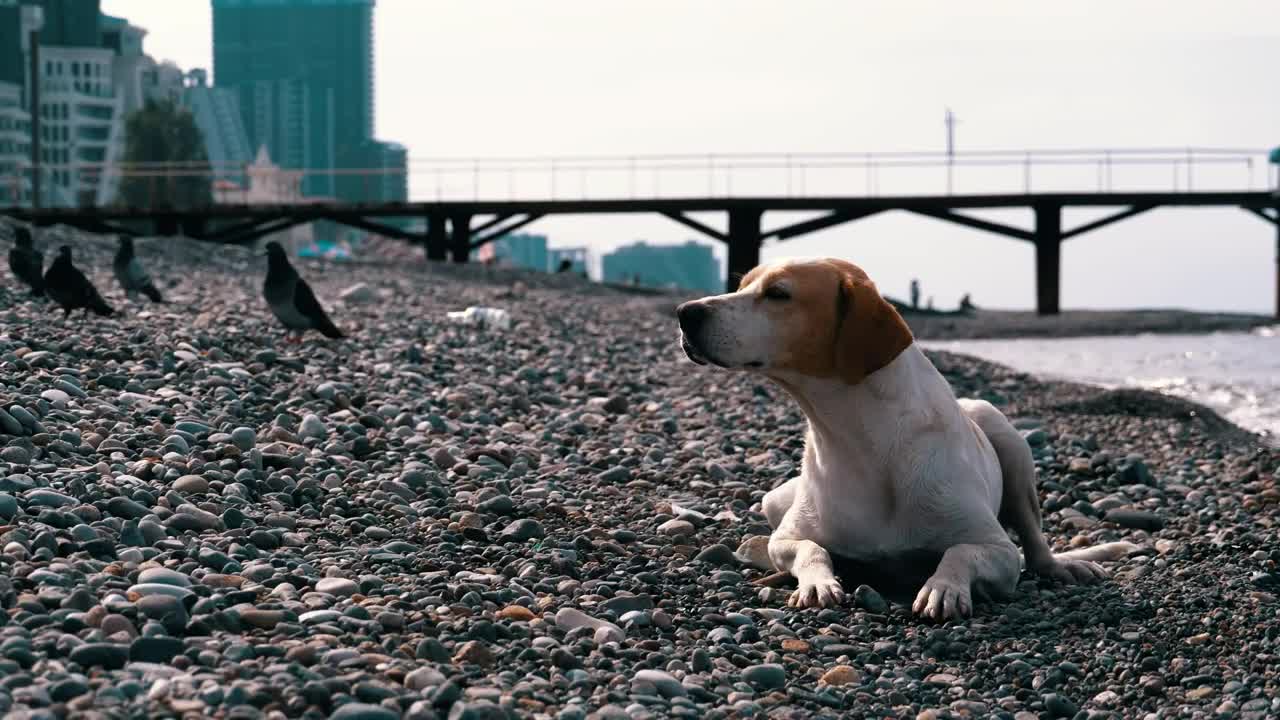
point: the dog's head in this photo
(813, 318)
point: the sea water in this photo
(1236, 374)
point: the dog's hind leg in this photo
(1020, 504)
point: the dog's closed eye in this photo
(776, 292)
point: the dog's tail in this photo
(1105, 552)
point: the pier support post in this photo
(744, 244)
(1048, 241)
(437, 238)
(460, 236)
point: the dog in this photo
(894, 465)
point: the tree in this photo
(165, 160)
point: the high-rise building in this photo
(217, 114)
(691, 266)
(303, 70)
(70, 23)
(382, 178)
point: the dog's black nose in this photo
(692, 315)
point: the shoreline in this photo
(1007, 324)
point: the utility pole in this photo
(949, 119)
(34, 41)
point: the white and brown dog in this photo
(894, 465)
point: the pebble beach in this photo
(556, 520)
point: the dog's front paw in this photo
(1070, 571)
(822, 593)
(943, 599)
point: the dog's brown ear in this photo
(869, 332)
(750, 276)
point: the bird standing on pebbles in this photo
(291, 299)
(71, 289)
(26, 262)
(130, 273)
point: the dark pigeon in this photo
(291, 299)
(71, 289)
(26, 262)
(130, 273)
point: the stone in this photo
(1201, 693)
(474, 652)
(155, 649)
(620, 604)
(768, 676)
(163, 576)
(424, 677)
(522, 530)
(49, 498)
(115, 623)
(754, 551)
(666, 684)
(363, 711)
(518, 613)
(865, 597)
(125, 508)
(244, 438)
(614, 475)
(15, 455)
(358, 294)
(341, 587)
(8, 506)
(1058, 706)
(1036, 437)
(157, 588)
(676, 528)
(718, 554)
(312, 427)
(261, 618)
(1135, 519)
(795, 645)
(1080, 465)
(191, 518)
(99, 654)
(191, 485)
(571, 618)
(840, 675)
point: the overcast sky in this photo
(557, 77)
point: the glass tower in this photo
(303, 71)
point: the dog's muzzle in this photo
(692, 317)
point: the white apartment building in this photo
(81, 125)
(86, 95)
(15, 147)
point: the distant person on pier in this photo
(928, 304)
(565, 266)
(966, 304)
(915, 294)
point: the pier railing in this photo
(666, 176)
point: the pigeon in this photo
(26, 262)
(291, 299)
(129, 272)
(71, 289)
